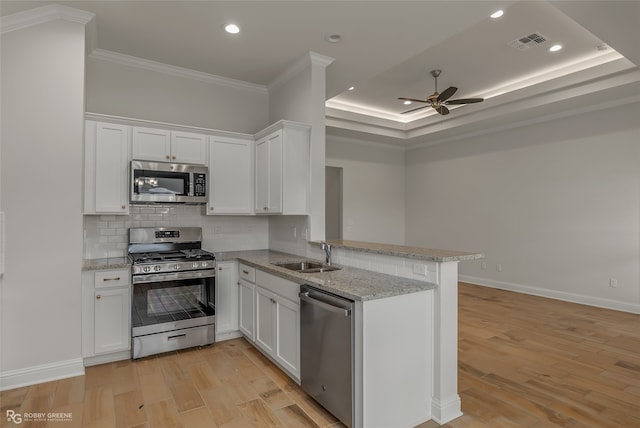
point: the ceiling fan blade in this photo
(442, 110)
(413, 99)
(465, 101)
(447, 93)
(419, 108)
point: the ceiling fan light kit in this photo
(439, 101)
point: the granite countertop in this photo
(349, 282)
(427, 254)
(107, 263)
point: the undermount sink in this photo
(308, 266)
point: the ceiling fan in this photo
(439, 101)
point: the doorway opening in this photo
(333, 202)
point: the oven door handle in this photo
(173, 276)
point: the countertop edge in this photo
(416, 253)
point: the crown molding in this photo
(307, 60)
(40, 15)
(172, 70)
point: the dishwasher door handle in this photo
(304, 296)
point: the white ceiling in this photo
(387, 50)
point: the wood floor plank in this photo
(129, 409)
(198, 418)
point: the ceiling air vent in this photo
(526, 42)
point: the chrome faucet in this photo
(327, 251)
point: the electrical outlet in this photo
(499, 267)
(613, 283)
(483, 265)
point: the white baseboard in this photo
(554, 294)
(228, 335)
(107, 358)
(443, 413)
(37, 374)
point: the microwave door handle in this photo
(191, 184)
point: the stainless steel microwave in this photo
(160, 182)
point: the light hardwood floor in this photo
(524, 361)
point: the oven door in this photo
(170, 313)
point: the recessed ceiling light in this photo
(333, 38)
(497, 14)
(232, 28)
(407, 102)
(351, 88)
(555, 48)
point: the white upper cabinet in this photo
(151, 144)
(106, 180)
(161, 145)
(269, 174)
(187, 147)
(230, 175)
(282, 169)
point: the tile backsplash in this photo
(107, 235)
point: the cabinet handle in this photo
(124, 206)
(168, 157)
(219, 268)
(246, 272)
(98, 297)
(210, 208)
(111, 279)
(173, 157)
(272, 300)
(266, 208)
(238, 283)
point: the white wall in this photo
(373, 189)
(42, 141)
(557, 205)
(124, 90)
(298, 94)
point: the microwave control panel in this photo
(200, 184)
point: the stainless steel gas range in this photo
(173, 302)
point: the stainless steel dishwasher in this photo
(326, 350)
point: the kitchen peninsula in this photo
(405, 325)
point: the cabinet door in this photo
(262, 176)
(269, 174)
(227, 297)
(265, 320)
(112, 310)
(111, 169)
(231, 176)
(275, 172)
(246, 308)
(151, 144)
(187, 147)
(288, 335)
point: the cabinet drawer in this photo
(247, 273)
(112, 278)
(280, 286)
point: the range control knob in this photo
(195, 265)
(176, 266)
(204, 264)
(146, 269)
(157, 268)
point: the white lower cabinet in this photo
(277, 321)
(246, 308)
(106, 315)
(227, 300)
